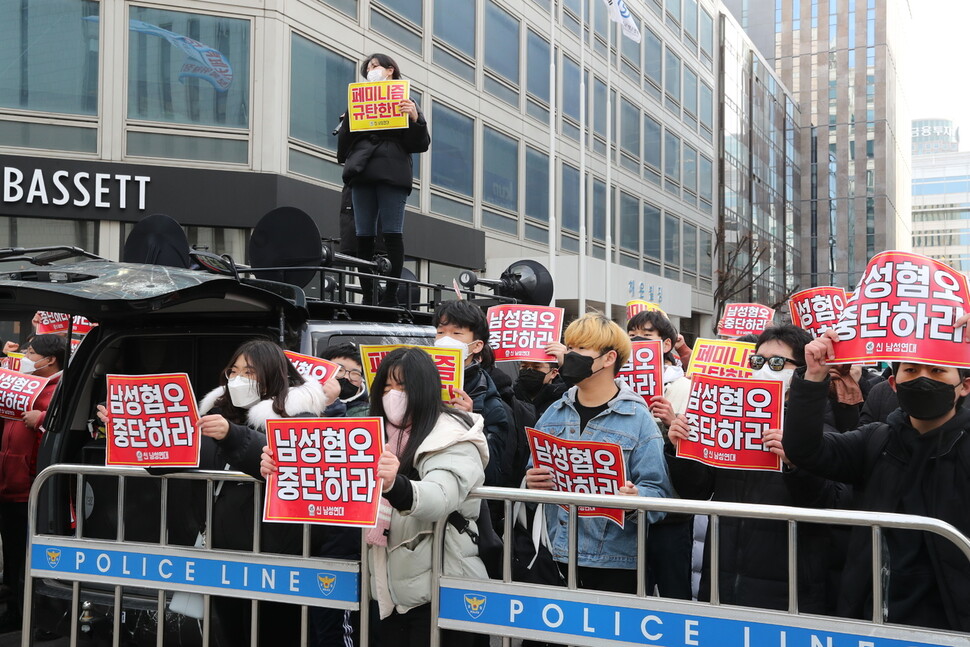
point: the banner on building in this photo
(326, 471)
(728, 418)
(376, 105)
(309, 366)
(817, 309)
(744, 319)
(644, 371)
(720, 358)
(152, 421)
(521, 332)
(581, 466)
(447, 360)
(904, 309)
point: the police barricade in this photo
(581, 617)
(129, 574)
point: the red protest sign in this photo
(12, 361)
(326, 471)
(520, 333)
(904, 310)
(581, 466)
(18, 393)
(744, 319)
(727, 419)
(52, 323)
(309, 366)
(644, 372)
(152, 421)
(817, 309)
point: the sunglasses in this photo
(775, 363)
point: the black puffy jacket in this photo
(382, 156)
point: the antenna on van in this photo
(286, 237)
(157, 240)
(526, 281)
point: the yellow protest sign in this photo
(447, 360)
(375, 105)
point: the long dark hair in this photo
(385, 61)
(274, 373)
(415, 369)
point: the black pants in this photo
(413, 629)
(13, 529)
(669, 551)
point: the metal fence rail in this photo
(564, 615)
(115, 565)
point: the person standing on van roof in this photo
(378, 168)
(44, 357)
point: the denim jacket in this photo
(626, 422)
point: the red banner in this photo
(727, 419)
(744, 319)
(644, 372)
(903, 310)
(309, 366)
(152, 421)
(56, 322)
(520, 333)
(582, 467)
(326, 471)
(18, 393)
(817, 309)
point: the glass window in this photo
(671, 240)
(318, 91)
(599, 209)
(672, 75)
(673, 11)
(395, 29)
(570, 198)
(536, 184)
(706, 106)
(500, 168)
(690, 169)
(653, 57)
(501, 43)
(690, 248)
(452, 150)
(651, 231)
(690, 91)
(629, 222)
(410, 9)
(537, 66)
(705, 174)
(570, 87)
(39, 232)
(172, 80)
(629, 48)
(706, 266)
(599, 107)
(49, 50)
(672, 156)
(690, 18)
(651, 141)
(629, 127)
(454, 23)
(706, 29)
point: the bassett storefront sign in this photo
(77, 189)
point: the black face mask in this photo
(576, 367)
(531, 380)
(347, 388)
(925, 398)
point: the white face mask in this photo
(243, 392)
(451, 342)
(765, 373)
(377, 74)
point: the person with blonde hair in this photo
(599, 407)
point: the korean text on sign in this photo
(817, 309)
(520, 333)
(727, 420)
(375, 105)
(57, 322)
(12, 361)
(309, 366)
(637, 306)
(904, 309)
(720, 358)
(326, 471)
(582, 467)
(644, 371)
(18, 393)
(447, 360)
(152, 421)
(744, 318)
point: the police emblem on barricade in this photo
(474, 604)
(326, 582)
(53, 557)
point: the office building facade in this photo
(941, 208)
(934, 136)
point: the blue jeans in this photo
(373, 202)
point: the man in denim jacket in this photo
(603, 409)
